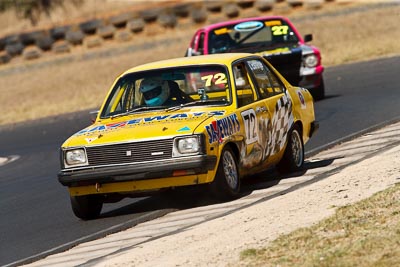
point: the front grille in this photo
(130, 152)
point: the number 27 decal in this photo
(280, 30)
(250, 125)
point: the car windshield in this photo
(168, 89)
(251, 36)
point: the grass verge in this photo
(366, 233)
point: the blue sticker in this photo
(184, 129)
(249, 26)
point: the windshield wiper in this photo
(194, 103)
(135, 110)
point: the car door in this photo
(253, 114)
(278, 106)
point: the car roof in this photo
(236, 21)
(224, 59)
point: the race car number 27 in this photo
(250, 125)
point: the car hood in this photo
(279, 49)
(143, 126)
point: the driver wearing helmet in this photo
(155, 91)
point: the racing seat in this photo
(176, 94)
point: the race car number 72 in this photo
(250, 125)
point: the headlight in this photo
(75, 157)
(187, 145)
(310, 61)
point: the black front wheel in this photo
(87, 207)
(226, 185)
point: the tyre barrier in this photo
(231, 10)
(120, 21)
(60, 47)
(91, 26)
(199, 15)
(123, 36)
(122, 27)
(136, 25)
(74, 36)
(58, 33)
(264, 5)
(182, 10)
(92, 41)
(44, 42)
(106, 32)
(4, 57)
(31, 52)
(167, 19)
(14, 49)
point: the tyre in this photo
(167, 20)
(319, 92)
(14, 49)
(136, 25)
(58, 33)
(199, 15)
(226, 185)
(120, 20)
(44, 42)
(74, 37)
(87, 207)
(231, 10)
(90, 27)
(150, 15)
(181, 10)
(106, 32)
(293, 157)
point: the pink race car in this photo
(273, 37)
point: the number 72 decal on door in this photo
(250, 125)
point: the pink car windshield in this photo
(251, 36)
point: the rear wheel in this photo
(293, 157)
(226, 185)
(87, 207)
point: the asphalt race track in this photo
(36, 217)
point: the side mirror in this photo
(308, 38)
(93, 115)
(191, 52)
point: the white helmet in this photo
(155, 92)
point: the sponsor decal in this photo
(220, 129)
(273, 23)
(90, 139)
(221, 31)
(248, 26)
(159, 118)
(184, 129)
(301, 98)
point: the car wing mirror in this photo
(191, 52)
(93, 115)
(308, 38)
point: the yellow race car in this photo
(188, 121)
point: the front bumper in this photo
(311, 78)
(199, 164)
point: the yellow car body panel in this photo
(252, 119)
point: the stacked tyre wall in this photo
(124, 26)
